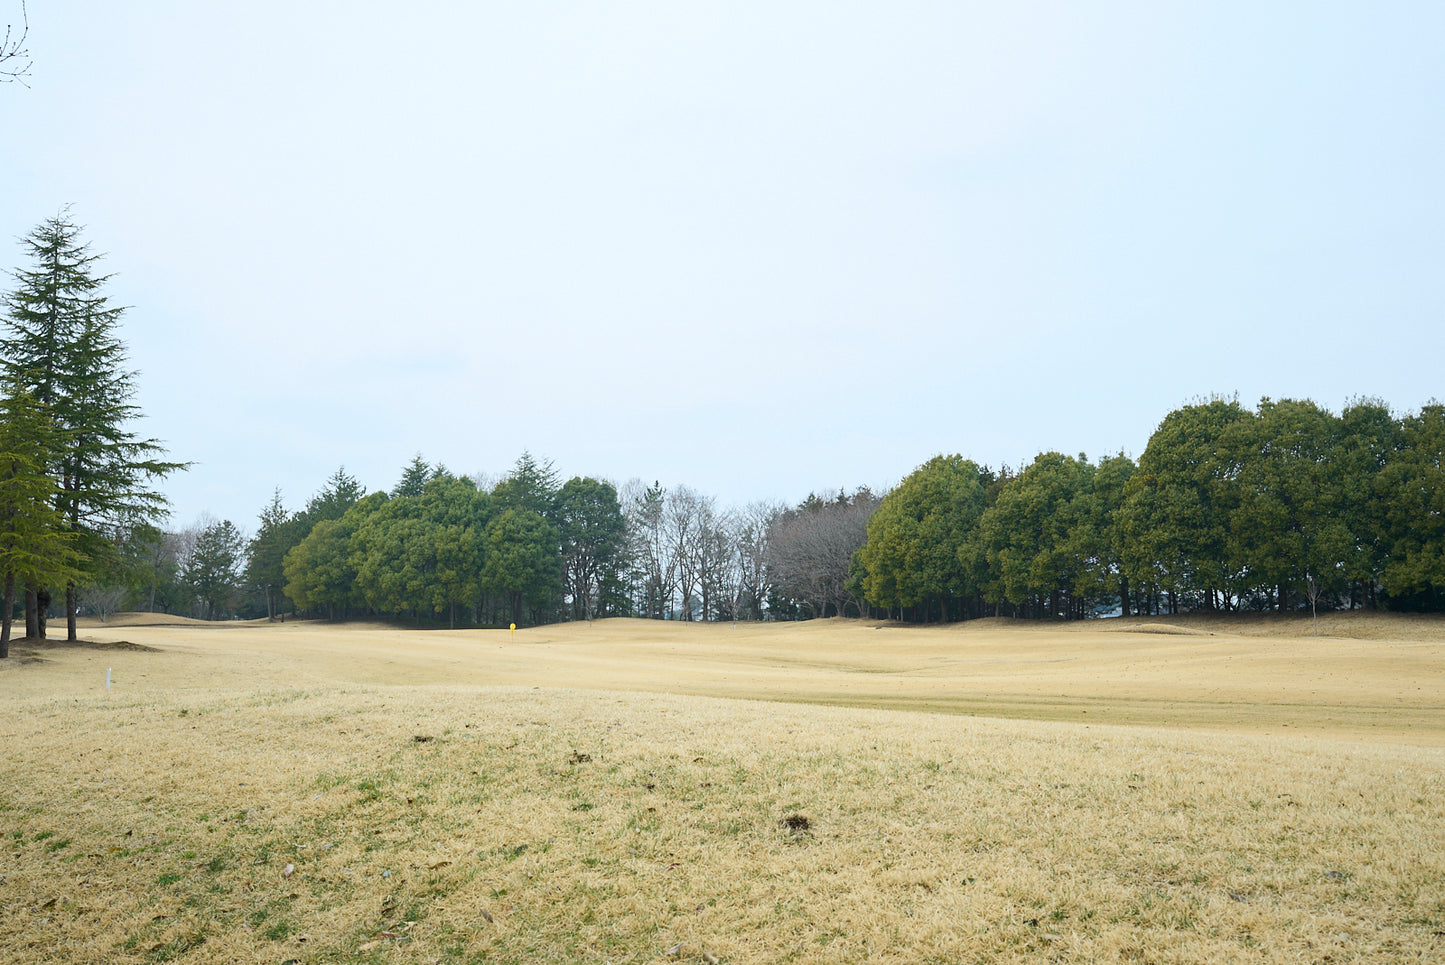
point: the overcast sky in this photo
(753, 248)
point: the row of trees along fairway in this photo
(1288, 505)
(526, 549)
(74, 479)
(1281, 507)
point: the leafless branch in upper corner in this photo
(12, 48)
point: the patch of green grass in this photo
(168, 878)
(42, 835)
(57, 845)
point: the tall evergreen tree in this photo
(62, 343)
(214, 569)
(593, 535)
(274, 538)
(34, 545)
(520, 563)
(531, 485)
(341, 492)
(415, 477)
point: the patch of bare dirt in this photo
(33, 647)
(1163, 628)
(161, 620)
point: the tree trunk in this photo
(42, 612)
(1124, 593)
(1283, 596)
(71, 606)
(32, 626)
(5, 617)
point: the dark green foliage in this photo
(520, 561)
(1414, 572)
(1284, 506)
(1045, 537)
(321, 571)
(62, 345)
(35, 545)
(1287, 527)
(415, 477)
(341, 492)
(277, 533)
(530, 486)
(918, 552)
(1174, 522)
(593, 534)
(214, 571)
(422, 553)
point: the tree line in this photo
(1283, 506)
(444, 549)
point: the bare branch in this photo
(14, 50)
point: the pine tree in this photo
(415, 477)
(62, 345)
(34, 545)
(531, 485)
(213, 572)
(277, 534)
(341, 492)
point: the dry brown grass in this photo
(1367, 677)
(449, 797)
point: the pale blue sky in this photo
(755, 248)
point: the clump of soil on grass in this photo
(797, 824)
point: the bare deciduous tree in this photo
(715, 561)
(102, 600)
(653, 575)
(810, 550)
(684, 522)
(750, 540)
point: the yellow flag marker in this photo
(513, 631)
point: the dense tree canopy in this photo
(592, 529)
(918, 552)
